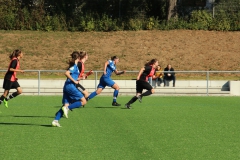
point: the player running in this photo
(142, 82)
(105, 80)
(10, 78)
(71, 95)
(82, 75)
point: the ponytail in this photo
(75, 55)
(15, 53)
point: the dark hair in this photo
(15, 53)
(82, 54)
(151, 62)
(75, 55)
(114, 57)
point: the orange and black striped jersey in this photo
(10, 75)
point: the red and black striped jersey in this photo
(10, 75)
(148, 72)
(80, 68)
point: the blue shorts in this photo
(105, 82)
(71, 93)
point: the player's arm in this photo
(68, 75)
(119, 72)
(140, 73)
(105, 67)
(13, 67)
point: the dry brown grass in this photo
(184, 49)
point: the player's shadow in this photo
(58, 107)
(106, 107)
(33, 116)
(24, 124)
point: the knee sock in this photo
(59, 114)
(15, 94)
(115, 94)
(92, 95)
(147, 93)
(132, 100)
(1, 99)
(75, 105)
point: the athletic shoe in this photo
(115, 104)
(56, 124)
(65, 111)
(5, 102)
(127, 106)
(140, 99)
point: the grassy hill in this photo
(184, 49)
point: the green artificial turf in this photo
(158, 128)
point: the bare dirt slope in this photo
(184, 49)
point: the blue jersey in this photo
(110, 68)
(70, 92)
(74, 71)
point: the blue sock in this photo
(75, 105)
(115, 94)
(59, 114)
(92, 95)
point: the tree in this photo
(172, 9)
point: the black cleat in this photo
(127, 106)
(140, 99)
(115, 104)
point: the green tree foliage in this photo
(114, 15)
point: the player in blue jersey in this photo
(142, 81)
(105, 80)
(72, 97)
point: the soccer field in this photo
(179, 127)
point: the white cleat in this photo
(65, 111)
(56, 124)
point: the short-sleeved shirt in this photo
(10, 75)
(110, 68)
(148, 72)
(74, 73)
(70, 92)
(106, 80)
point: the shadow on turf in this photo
(25, 124)
(106, 107)
(34, 116)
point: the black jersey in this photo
(10, 75)
(149, 71)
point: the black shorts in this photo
(80, 87)
(140, 85)
(7, 84)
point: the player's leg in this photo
(7, 85)
(115, 94)
(100, 87)
(139, 90)
(77, 98)
(3, 98)
(149, 91)
(78, 104)
(16, 85)
(83, 90)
